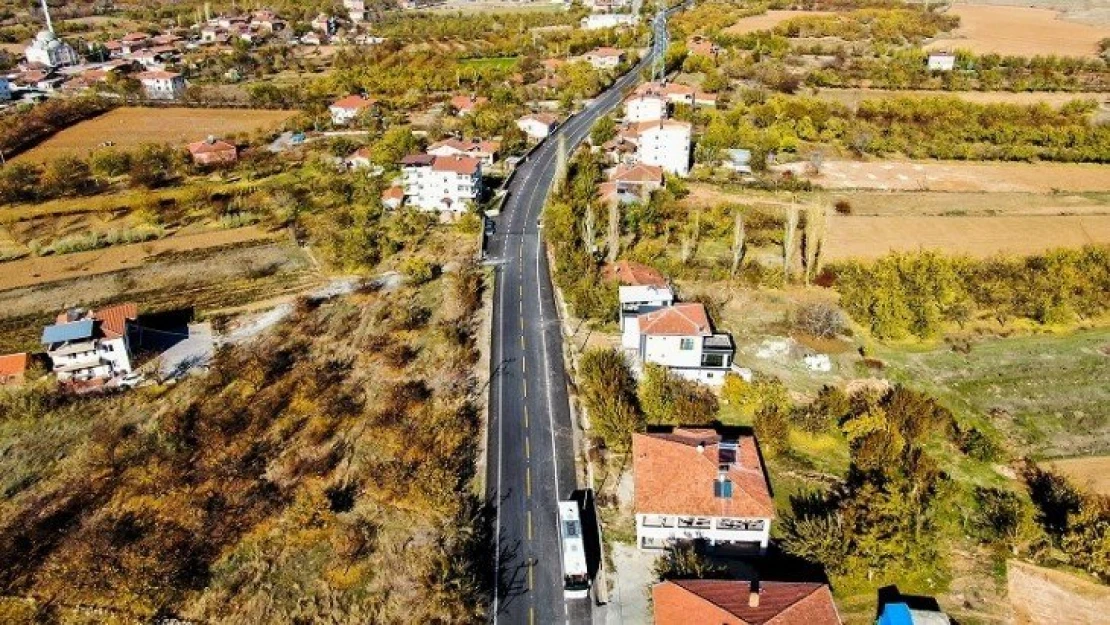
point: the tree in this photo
(830, 406)
(614, 239)
(738, 244)
(813, 239)
(110, 162)
(604, 130)
(152, 165)
(790, 230)
(682, 561)
(609, 394)
(818, 319)
(772, 429)
(67, 175)
(19, 182)
(668, 399)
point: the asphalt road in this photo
(530, 455)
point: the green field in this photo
(1048, 395)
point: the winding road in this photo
(530, 460)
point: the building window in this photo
(686, 345)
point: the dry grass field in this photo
(1092, 472)
(38, 270)
(1020, 31)
(130, 127)
(891, 175)
(871, 237)
(766, 21)
(1041, 595)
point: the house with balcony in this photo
(85, 345)
(680, 338)
(701, 484)
(447, 184)
(743, 602)
(604, 58)
(645, 108)
(162, 85)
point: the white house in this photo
(162, 85)
(344, 110)
(700, 484)
(441, 183)
(598, 21)
(636, 301)
(645, 108)
(665, 143)
(681, 338)
(942, 62)
(604, 58)
(538, 126)
(86, 345)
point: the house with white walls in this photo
(599, 21)
(85, 345)
(642, 290)
(538, 125)
(604, 58)
(645, 108)
(449, 184)
(681, 338)
(665, 143)
(345, 110)
(700, 484)
(485, 151)
(162, 85)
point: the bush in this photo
(668, 399)
(609, 394)
(843, 207)
(682, 561)
(772, 429)
(819, 319)
(830, 406)
(750, 398)
(419, 270)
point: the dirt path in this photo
(1041, 595)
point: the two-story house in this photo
(604, 58)
(485, 151)
(441, 183)
(90, 345)
(537, 126)
(701, 484)
(642, 290)
(681, 338)
(162, 85)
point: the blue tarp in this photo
(62, 332)
(896, 614)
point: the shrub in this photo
(843, 207)
(819, 319)
(830, 406)
(668, 399)
(609, 394)
(418, 270)
(683, 561)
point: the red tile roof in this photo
(113, 319)
(157, 74)
(605, 52)
(467, 102)
(634, 274)
(206, 147)
(464, 165)
(13, 366)
(419, 160)
(354, 102)
(638, 173)
(393, 193)
(673, 476)
(688, 319)
(728, 602)
(543, 118)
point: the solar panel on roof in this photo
(62, 332)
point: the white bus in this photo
(576, 579)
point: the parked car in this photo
(131, 380)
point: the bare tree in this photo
(813, 238)
(819, 319)
(738, 243)
(614, 231)
(789, 232)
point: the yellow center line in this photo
(527, 449)
(531, 615)
(528, 482)
(529, 538)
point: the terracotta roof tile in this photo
(688, 319)
(634, 274)
(354, 102)
(727, 602)
(464, 165)
(13, 365)
(113, 319)
(672, 476)
(206, 147)
(467, 102)
(638, 173)
(157, 74)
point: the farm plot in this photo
(1020, 31)
(1092, 473)
(766, 21)
(129, 127)
(871, 237)
(1041, 595)
(31, 271)
(890, 175)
